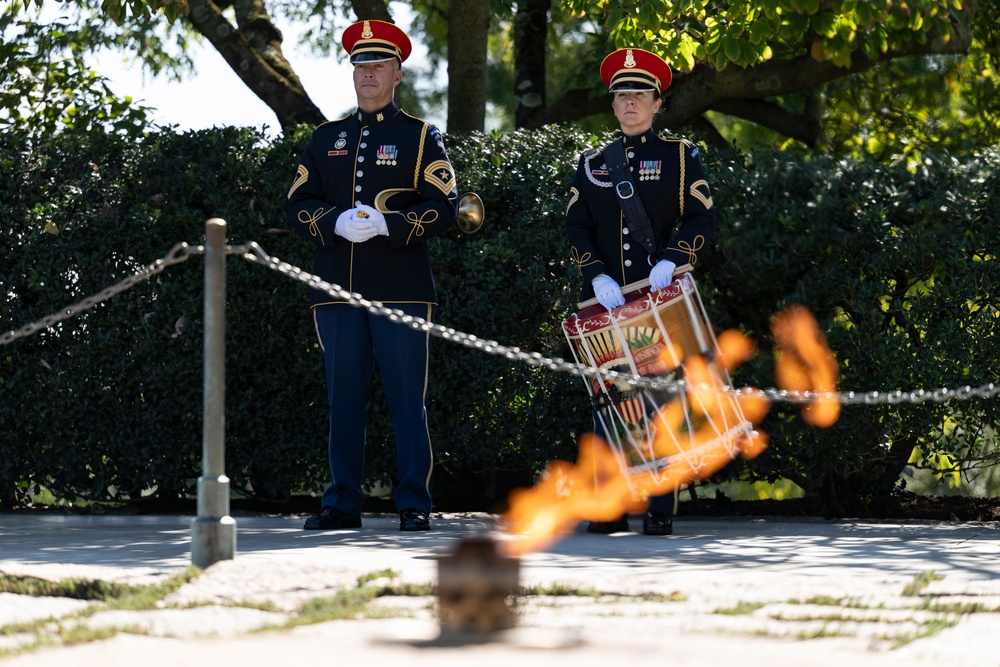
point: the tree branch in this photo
(572, 105)
(260, 71)
(377, 10)
(741, 92)
(805, 127)
(705, 88)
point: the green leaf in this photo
(733, 51)
(825, 23)
(898, 19)
(759, 31)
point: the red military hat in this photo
(635, 69)
(372, 41)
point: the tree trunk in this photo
(468, 33)
(900, 450)
(531, 28)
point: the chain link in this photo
(253, 253)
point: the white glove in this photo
(356, 231)
(375, 216)
(607, 291)
(662, 274)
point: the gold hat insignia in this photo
(366, 32)
(629, 58)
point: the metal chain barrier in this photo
(257, 255)
(253, 253)
(179, 253)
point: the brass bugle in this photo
(470, 213)
(470, 208)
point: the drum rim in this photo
(633, 287)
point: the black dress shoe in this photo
(331, 518)
(607, 527)
(411, 519)
(657, 523)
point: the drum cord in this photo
(253, 253)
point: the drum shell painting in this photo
(594, 331)
(653, 335)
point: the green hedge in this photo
(900, 270)
(898, 267)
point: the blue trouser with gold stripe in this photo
(353, 341)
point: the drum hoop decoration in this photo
(582, 323)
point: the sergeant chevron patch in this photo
(701, 192)
(440, 174)
(574, 195)
(301, 176)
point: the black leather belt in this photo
(639, 224)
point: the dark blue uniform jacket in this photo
(394, 162)
(669, 179)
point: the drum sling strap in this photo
(639, 225)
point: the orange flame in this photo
(595, 488)
(805, 363)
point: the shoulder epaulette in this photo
(674, 140)
(419, 120)
(335, 121)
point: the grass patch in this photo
(149, 596)
(928, 629)
(920, 582)
(106, 596)
(821, 633)
(407, 590)
(740, 609)
(350, 603)
(387, 573)
(114, 595)
(81, 634)
(565, 590)
(354, 602)
(830, 601)
(960, 608)
(77, 589)
(559, 590)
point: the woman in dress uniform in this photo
(637, 210)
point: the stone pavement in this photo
(751, 591)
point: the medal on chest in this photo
(386, 155)
(649, 170)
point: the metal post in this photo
(213, 532)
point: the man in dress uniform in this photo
(371, 190)
(637, 210)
